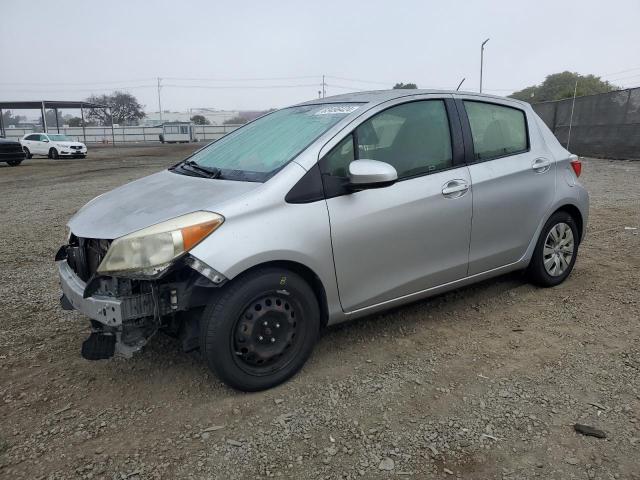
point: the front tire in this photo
(14, 163)
(556, 251)
(260, 330)
(53, 153)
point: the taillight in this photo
(577, 166)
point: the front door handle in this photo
(455, 188)
(541, 165)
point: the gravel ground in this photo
(484, 382)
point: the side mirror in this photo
(365, 174)
(45, 140)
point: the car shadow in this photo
(336, 338)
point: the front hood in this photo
(152, 200)
(70, 144)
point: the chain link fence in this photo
(604, 125)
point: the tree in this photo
(409, 86)
(124, 106)
(50, 116)
(237, 120)
(561, 85)
(74, 122)
(200, 120)
(9, 119)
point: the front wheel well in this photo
(310, 277)
(575, 214)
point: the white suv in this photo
(53, 145)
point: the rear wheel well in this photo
(575, 214)
(310, 277)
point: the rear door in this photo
(398, 240)
(29, 142)
(513, 181)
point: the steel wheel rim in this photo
(266, 335)
(558, 249)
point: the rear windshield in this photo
(259, 149)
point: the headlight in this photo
(151, 250)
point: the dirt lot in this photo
(484, 382)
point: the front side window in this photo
(336, 162)
(260, 148)
(497, 130)
(413, 137)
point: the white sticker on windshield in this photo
(337, 110)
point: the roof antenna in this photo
(460, 84)
(573, 104)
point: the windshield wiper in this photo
(209, 172)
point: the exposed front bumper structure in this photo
(126, 313)
(123, 324)
(109, 311)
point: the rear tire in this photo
(27, 153)
(556, 251)
(260, 329)
(14, 163)
(53, 153)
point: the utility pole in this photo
(482, 61)
(324, 92)
(159, 102)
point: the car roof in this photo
(380, 96)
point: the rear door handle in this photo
(541, 165)
(455, 188)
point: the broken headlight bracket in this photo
(205, 270)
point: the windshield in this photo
(60, 138)
(259, 149)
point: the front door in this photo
(394, 241)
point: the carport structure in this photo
(55, 105)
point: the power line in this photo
(621, 71)
(108, 82)
(241, 86)
(623, 78)
(254, 79)
(359, 81)
(63, 90)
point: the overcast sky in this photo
(68, 49)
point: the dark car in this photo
(11, 152)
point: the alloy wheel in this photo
(558, 249)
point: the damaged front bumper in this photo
(120, 325)
(126, 313)
(109, 311)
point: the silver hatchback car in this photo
(320, 213)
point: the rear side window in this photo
(33, 137)
(497, 130)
